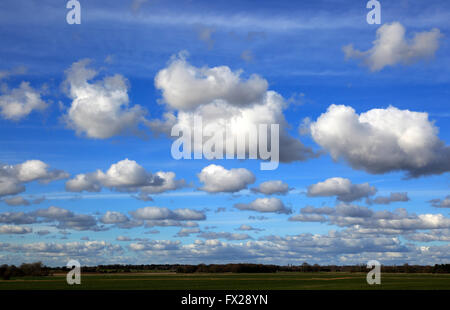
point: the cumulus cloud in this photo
(14, 229)
(65, 219)
(169, 183)
(100, 109)
(342, 188)
(223, 100)
(114, 217)
(334, 248)
(125, 176)
(308, 218)
(382, 140)
(20, 201)
(217, 179)
(186, 232)
(123, 238)
(441, 203)
(274, 205)
(224, 235)
(88, 252)
(170, 223)
(385, 200)
(13, 177)
(322, 210)
(158, 214)
(17, 218)
(12, 72)
(433, 235)
(245, 227)
(367, 221)
(272, 188)
(185, 87)
(18, 103)
(391, 47)
(42, 232)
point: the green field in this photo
(209, 281)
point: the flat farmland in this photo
(232, 281)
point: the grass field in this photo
(268, 281)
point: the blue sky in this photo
(297, 48)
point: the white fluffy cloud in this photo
(157, 213)
(125, 175)
(382, 140)
(169, 183)
(223, 100)
(186, 87)
(391, 47)
(272, 187)
(14, 229)
(100, 109)
(342, 188)
(114, 217)
(18, 103)
(217, 179)
(274, 205)
(13, 177)
(245, 227)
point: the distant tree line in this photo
(38, 269)
(235, 268)
(33, 269)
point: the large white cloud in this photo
(169, 183)
(125, 175)
(13, 177)
(391, 47)
(18, 103)
(382, 140)
(186, 87)
(274, 205)
(223, 100)
(342, 188)
(100, 109)
(217, 179)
